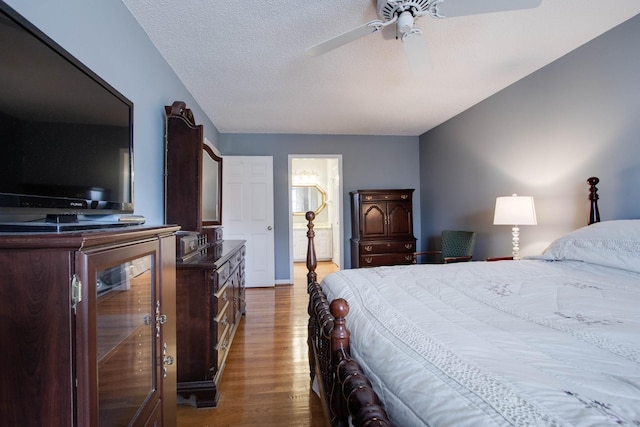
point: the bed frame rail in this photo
(346, 392)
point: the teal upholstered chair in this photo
(457, 246)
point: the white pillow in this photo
(609, 243)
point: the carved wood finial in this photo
(339, 309)
(179, 109)
(594, 212)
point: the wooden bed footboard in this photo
(345, 390)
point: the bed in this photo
(550, 340)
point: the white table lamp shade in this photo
(515, 210)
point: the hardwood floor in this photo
(266, 379)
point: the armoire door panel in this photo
(373, 220)
(400, 220)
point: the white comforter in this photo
(527, 343)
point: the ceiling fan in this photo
(405, 13)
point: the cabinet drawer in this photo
(223, 321)
(221, 298)
(222, 273)
(376, 260)
(222, 348)
(385, 196)
(387, 247)
(235, 261)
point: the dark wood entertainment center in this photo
(88, 326)
(210, 285)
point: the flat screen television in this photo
(66, 135)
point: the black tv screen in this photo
(66, 136)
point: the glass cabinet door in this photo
(125, 339)
(119, 330)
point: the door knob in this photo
(269, 228)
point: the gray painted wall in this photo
(367, 162)
(543, 136)
(106, 38)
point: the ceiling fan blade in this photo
(415, 47)
(452, 8)
(344, 38)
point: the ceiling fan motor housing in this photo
(389, 9)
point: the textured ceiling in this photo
(245, 62)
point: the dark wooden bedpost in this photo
(594, 212)
(352, 392)
(343, 387)
(312, 263)
(339, 351)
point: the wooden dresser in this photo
(382, 227)
(210, 271)
(210, 302)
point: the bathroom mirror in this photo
(307, 198)
(211, 187)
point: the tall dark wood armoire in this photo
(382, 227)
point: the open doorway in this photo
(315, 183)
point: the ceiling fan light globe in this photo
(405, 22)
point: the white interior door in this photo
(247, 213)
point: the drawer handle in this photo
(225, 298)
(368, 260)
(225, 344)
(408, 257)
(368, 248)
(408, 245)
(404, 196)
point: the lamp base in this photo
(515, 232)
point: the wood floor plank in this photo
(266, 378)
